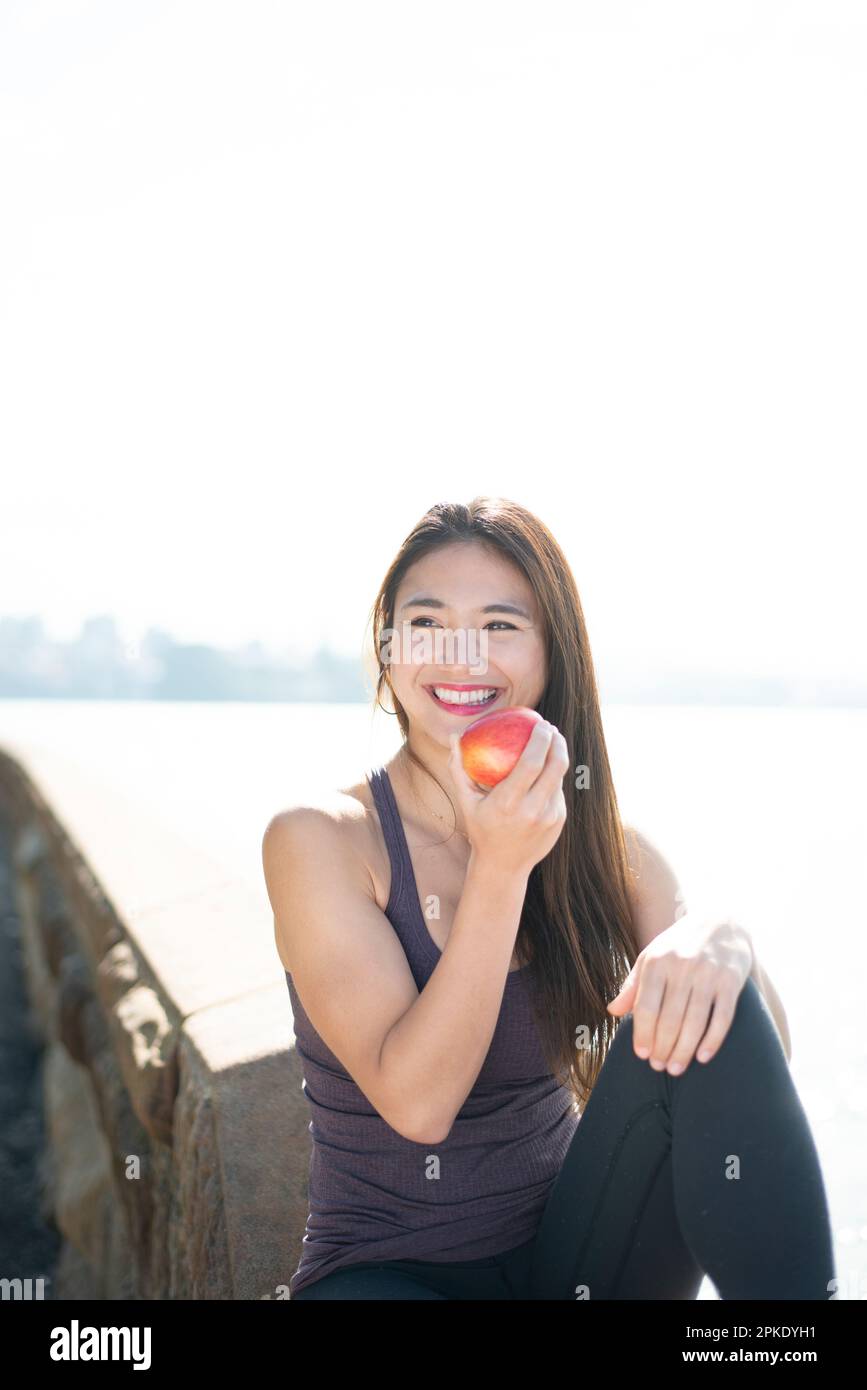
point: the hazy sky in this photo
(275, 277)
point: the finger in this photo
(532, 777)
(645, 1010)
(627, 989)
(669, 1024)
(724, 1005)
(547, 812)
(556, 807)
(527, 768)
(695, 1022)
(549, 787)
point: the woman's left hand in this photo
(683, 989)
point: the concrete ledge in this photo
(179, 1132)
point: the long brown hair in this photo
(576, 917)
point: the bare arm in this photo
(415, 1056)
(657, 901)
(439, 1045)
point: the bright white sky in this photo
(275, 277)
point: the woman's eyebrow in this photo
(424, 601)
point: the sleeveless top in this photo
(375, 1195)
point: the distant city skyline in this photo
(100, 662)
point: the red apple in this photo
(493, 743)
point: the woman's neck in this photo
(439, 813)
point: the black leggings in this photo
(667, 1178)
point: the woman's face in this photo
(465, 618)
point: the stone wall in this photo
(178, 1143)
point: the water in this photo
(759, 809)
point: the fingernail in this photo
(675, 1068)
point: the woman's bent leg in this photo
(668, 1178)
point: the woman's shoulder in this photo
(323, 837)
(327, 820)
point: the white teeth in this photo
(463, 697)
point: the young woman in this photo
(531, 1073)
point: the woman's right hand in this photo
(517, 822)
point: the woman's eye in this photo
(495, 622)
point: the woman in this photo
(531, 1073)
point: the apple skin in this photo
(494, 742)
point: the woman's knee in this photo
(752, 1025)
(751, 1018)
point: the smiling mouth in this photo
(463, 699)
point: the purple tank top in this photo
(374, 1195)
